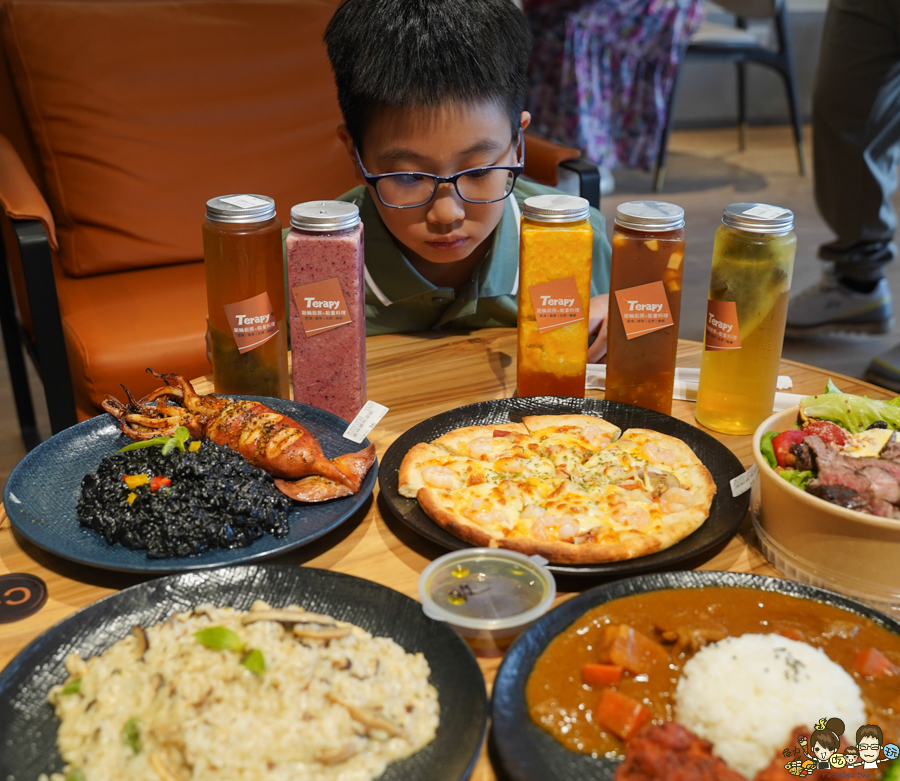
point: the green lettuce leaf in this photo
(854, 413)
(830, 387)
(796, 477)
(765, 447)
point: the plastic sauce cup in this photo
(489, 596)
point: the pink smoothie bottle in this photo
(326, 267)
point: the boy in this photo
(429, 89)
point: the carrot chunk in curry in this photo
(620, 714)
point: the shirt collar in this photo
(394, 279)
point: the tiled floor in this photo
(706, 172)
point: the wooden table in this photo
(416, 376)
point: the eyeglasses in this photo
(409, 189)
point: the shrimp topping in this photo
(439, 477)
(675, 500)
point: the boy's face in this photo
(442, 141)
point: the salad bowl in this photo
(817, 542)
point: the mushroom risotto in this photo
(217, 693)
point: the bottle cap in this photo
(650, 216)
(556, 208)
(241, 207)
(759, 218)
(324, 216)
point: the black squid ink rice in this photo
(216, 499)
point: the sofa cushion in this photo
(115, 328)
(143, 111)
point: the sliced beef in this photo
(803, 457)
(840, 474)
(840, 495)
(884, 481)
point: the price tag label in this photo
(766, 212)
(743, 483)
(244, 201)
(367, 418)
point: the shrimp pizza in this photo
(573, 488)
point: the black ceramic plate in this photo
(527, 752)
(41, 493)
(725, 515)
(30, 725)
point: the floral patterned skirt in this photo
(602, 72)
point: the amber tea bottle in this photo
(645, 303)
(245, 295)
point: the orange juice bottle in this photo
(245, 295)
(645, 303)
(554, 296)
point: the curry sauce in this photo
(681, 621)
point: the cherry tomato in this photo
(828, 431)
(782, 446)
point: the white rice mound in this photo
(745, 694)
(312, 715)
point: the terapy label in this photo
(722, 328)
(644, 309)
(556, 304)
(321, 305)
(252, 322)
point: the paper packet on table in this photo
(686, 381)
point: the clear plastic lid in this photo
(240, 207)
(759, 218)
(324, 216)
(486, 588)
(556, 208)
(650, 216)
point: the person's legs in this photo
(856, 150)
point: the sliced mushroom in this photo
(260, 604)
(288, 617)
(143, 642)
(338, 755)
(660, 481)
(369, 719)
(161, 769)
(325, 633)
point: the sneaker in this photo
(884, 370)
(828, 307)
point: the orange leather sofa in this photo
(118, 121)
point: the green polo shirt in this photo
(399, 299)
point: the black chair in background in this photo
(720, 43)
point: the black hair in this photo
(424, 53)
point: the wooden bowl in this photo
(817, 542)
